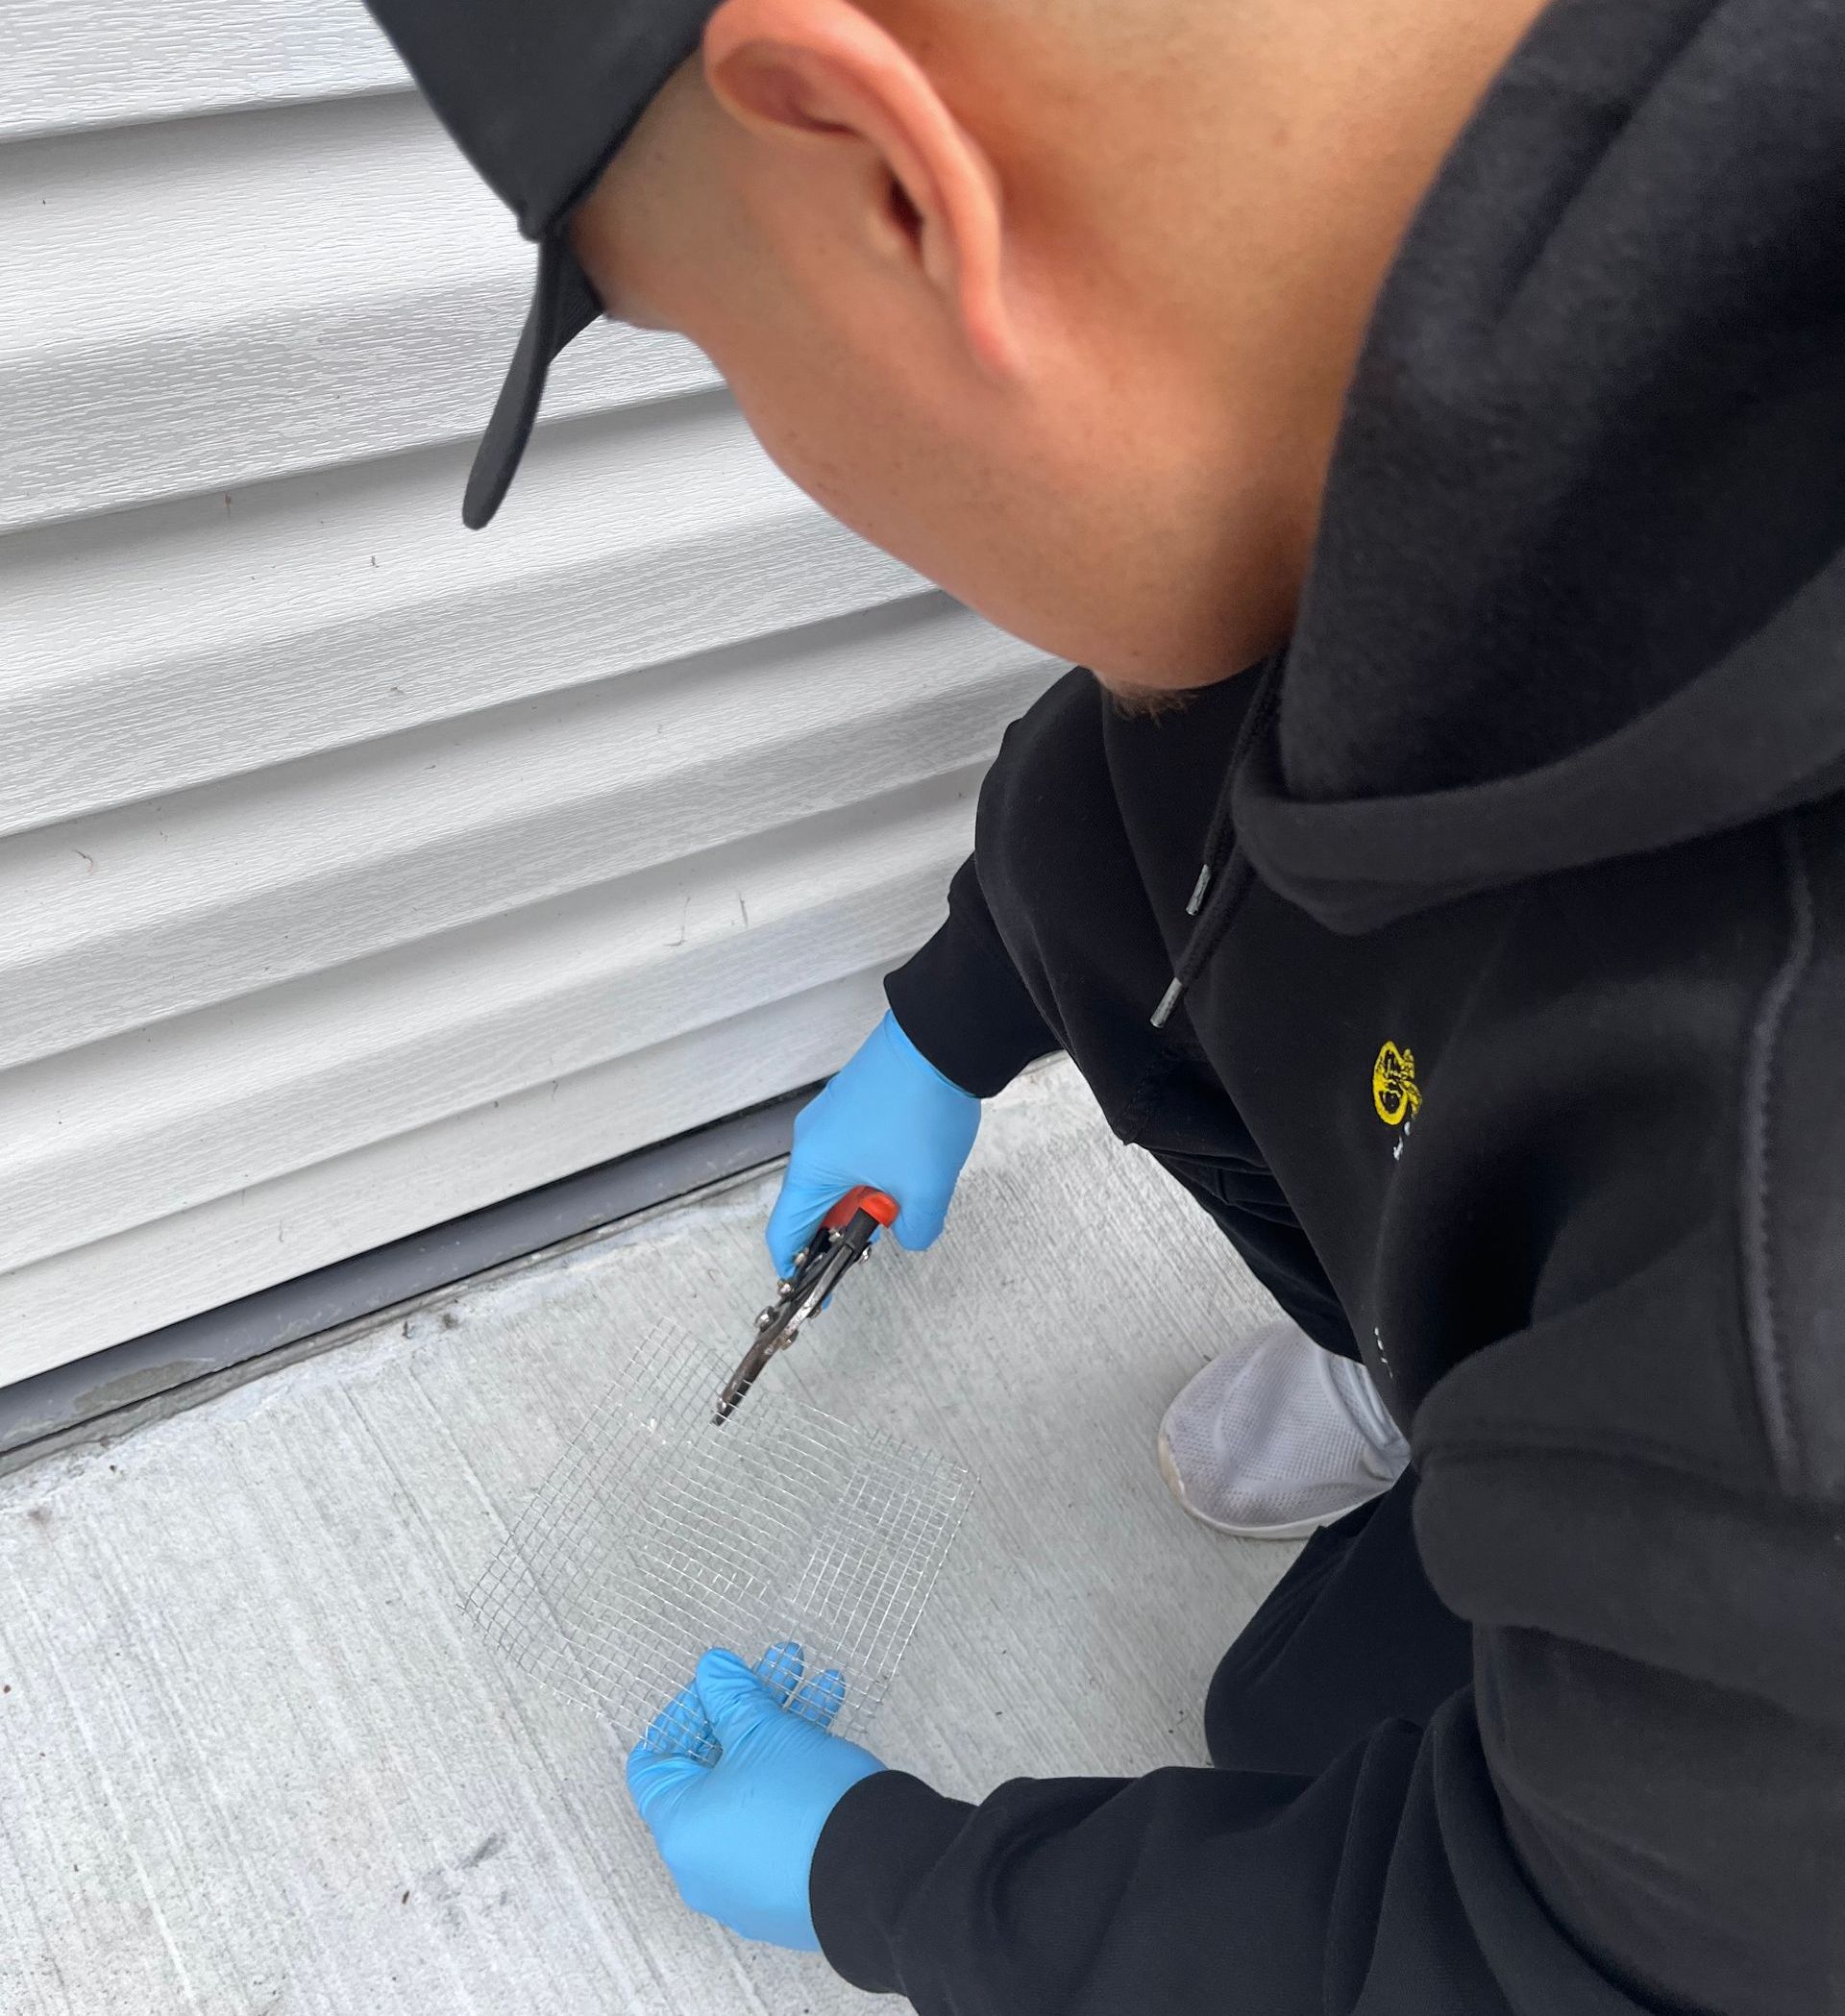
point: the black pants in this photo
(1353, 1635)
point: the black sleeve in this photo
(960, 1001)
(1195, 1891)
(1638, 1806)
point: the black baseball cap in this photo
(539, 94)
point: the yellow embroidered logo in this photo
(1394, 1092)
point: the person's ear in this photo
(820, 76)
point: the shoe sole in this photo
(1297, 1530)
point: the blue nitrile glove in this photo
(889, 1118)
(739, 1836)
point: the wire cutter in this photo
(843, 1240)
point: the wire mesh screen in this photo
(659, 1535)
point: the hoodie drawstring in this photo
(1216, 898)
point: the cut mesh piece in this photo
(661, 1533)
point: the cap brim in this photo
(563, 304)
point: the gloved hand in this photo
(739, 1836)
(889, 1118)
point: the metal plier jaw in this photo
(843, 1240)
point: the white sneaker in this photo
(1277, 1437)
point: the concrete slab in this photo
(252, 1763)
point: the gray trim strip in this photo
(58, 1407)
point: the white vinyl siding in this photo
(357, 871)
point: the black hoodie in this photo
(1518, 955)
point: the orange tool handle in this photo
(864, 1198)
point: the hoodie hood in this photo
(1579, 590)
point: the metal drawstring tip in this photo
(1195, 902)
(1169, 1002)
